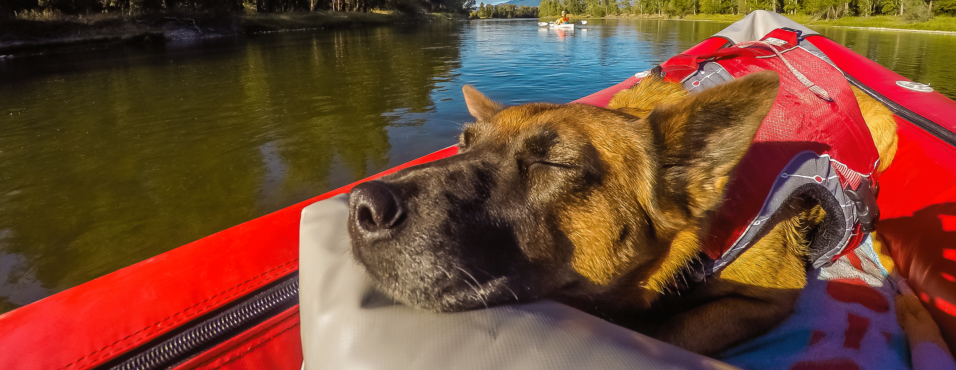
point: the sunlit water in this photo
(109, 157)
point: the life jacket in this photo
(813, 143)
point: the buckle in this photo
(864, 198)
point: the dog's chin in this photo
(453, 297)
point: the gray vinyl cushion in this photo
(347, 324)
(758, 24)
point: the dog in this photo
(600, 208)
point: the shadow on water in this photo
(112, 156)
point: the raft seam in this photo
(250, 349)
(202, 310)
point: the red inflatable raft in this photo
(229, 300)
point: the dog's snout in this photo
(376, 207)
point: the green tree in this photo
(827, 9)
(944, 7)
(594, 8)
(678, 7)
(716, 6)
(576, 7)
(650, 6)
(891, 7)
(613, 8)
(865, 8)
(793, 6)
(916, 11)
(544, 9)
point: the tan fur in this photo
(593, 224)
(644, 96)
(779, 256)
(879, 119)
(682, 251)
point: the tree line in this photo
(913, 10)
(504, 11)
(262, 6)
(594, 8)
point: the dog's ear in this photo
(702, 137)
(479, 105)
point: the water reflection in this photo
(109, 157)
(103, 166)
(20, 283)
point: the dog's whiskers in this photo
(447, 274)
(512, 292)
(492, 276)
(484, 272)
(475, 287)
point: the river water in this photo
(109, 157)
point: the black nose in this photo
(375, 207)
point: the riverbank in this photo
(939, 23)
(60, 31)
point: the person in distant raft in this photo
(564, 18)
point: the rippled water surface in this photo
(109, 157)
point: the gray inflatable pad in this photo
(347, 324)
(758, 24)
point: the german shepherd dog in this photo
(601, 208)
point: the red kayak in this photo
(231, 299)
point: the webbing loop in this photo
(817, 90)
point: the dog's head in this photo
(548, 200)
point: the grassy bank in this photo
(716, 17)
(938, 23)
(59, 31)
(941, 23)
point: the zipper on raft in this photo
(216, 329)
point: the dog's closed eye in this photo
(552, 165)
